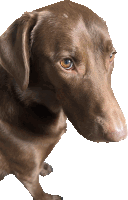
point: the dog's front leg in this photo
(35, 189)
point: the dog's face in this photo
(74, 52)
(77, 50)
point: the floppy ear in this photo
(15, 49)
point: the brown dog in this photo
(54, 62)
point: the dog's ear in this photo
(15, 48)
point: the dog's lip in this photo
(98, 138)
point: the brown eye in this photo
(66, 63)
(112, 56)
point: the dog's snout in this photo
(116, 126)
(106, 132)
(116, 134)
(112, 127)
(110, 123)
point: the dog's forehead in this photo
(68, 9)
(68, 14)
(68, 25)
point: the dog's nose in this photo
(111, 122)
(108, 130)
(116, 135)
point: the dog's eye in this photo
(112, 56)
(66, 63)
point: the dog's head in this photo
(69, 49)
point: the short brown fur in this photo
(37, 93)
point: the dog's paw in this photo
(46, 169)
(56, 197)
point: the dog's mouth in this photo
(108, 128)
(104, 132)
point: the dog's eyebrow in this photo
(109, 46)
(73, 53)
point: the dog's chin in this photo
(106, 137)
(91, 137)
